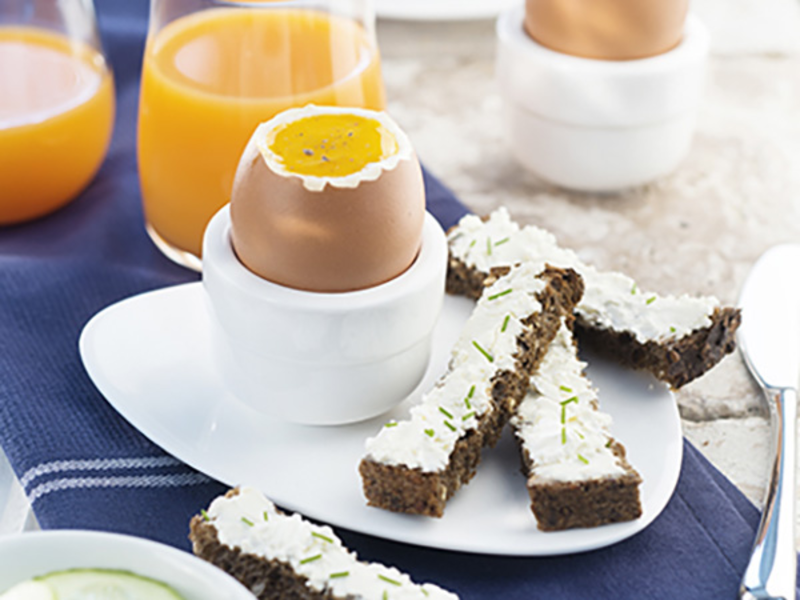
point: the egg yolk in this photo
(332, 145)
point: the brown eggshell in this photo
(333, 240)
(607, 29)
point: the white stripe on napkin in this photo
(98, 464)
(136, 481)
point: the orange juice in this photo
(56, 117)
(210, 78)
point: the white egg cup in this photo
(598, 125)
(321, 358)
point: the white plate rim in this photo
(577, 540)
(55, 550)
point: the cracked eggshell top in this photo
(328, 200)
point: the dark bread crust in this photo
(676, 362)
(463, 280)
(565, 505)
(413, 491)
(560, 505)
(416, 492)
(266, 579)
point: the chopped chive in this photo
(633, 289)
(445, 412)
(505, 323)
(488, 356)
(563, 435)
(429, 432)
(204, 514)
(470, 394)
(580, 435)
(391, 424)
(389, 580)
(247, 521)
(583, 460)
(500, 294)
(266, 516)
(424, 591)
(489, 246)
(608, 444)
(563, 414)
(468, 415)
(503, 241)
(672, 330)
(564, 388)
(568, 400)
(310, 559)
(472, 243)
(322, 537)
(339, 574)
(650, 300)
(385, 595)
(450, 426)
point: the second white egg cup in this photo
(321, 358)
(598, 125)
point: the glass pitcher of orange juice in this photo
(213, 70)
(56, 105)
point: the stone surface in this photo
(697, 231)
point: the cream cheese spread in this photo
(250, 522)
(486, 346)
(558, 422)
(611, 300)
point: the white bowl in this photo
(321, 358)
(27, 555)
(598, 125)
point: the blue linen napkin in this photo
(83, 466)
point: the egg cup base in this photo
(321, 358)
(595, 154)
(596, 125)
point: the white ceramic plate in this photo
(441, 10)
(149, 355)
(27, 555)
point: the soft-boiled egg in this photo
(328, 199)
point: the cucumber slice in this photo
(101, 584)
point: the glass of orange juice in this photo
(213, 70)
(56, 105)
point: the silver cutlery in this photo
(769, 339)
